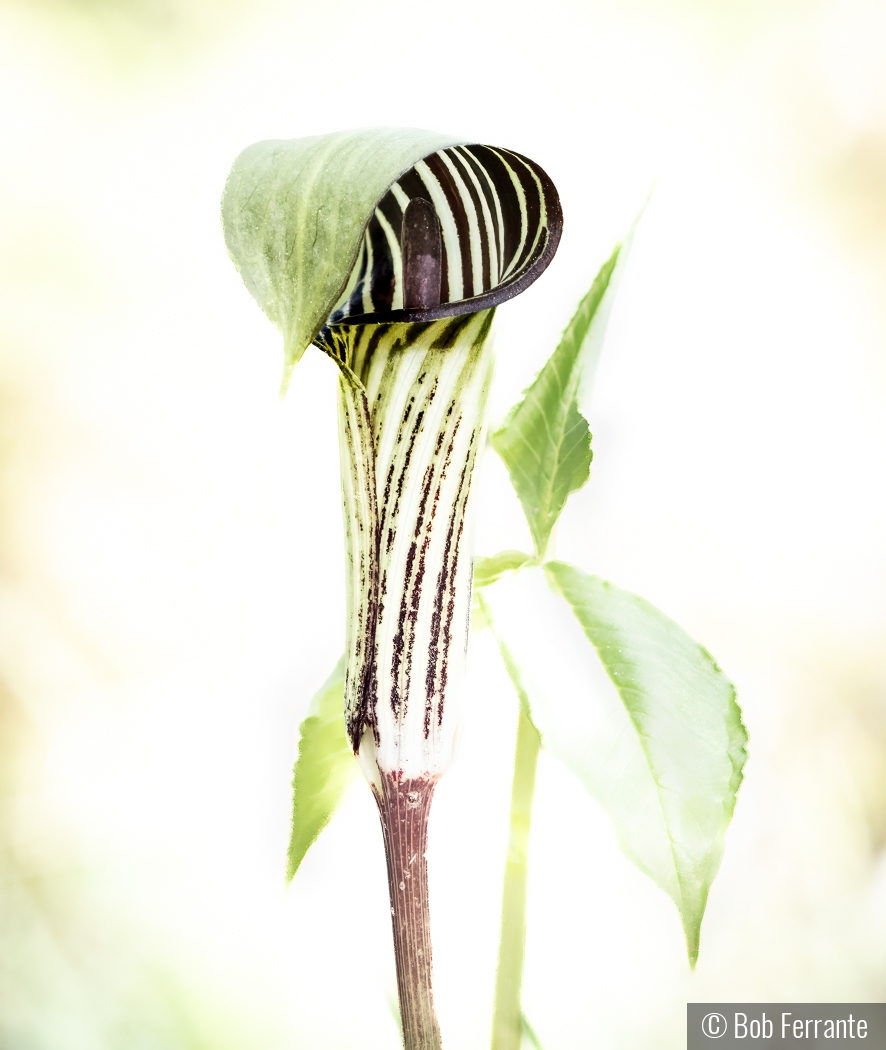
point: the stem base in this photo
(404, 807)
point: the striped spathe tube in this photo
(411, 425)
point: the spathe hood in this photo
(384, 224)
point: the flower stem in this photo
(507, 1023)
(404, 807)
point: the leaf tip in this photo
(691, 916)
(291, 358)
(692, 931)
(295, 854)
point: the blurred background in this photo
(171, 577)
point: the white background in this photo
(170, 532)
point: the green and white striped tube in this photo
(412, 417)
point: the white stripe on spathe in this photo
(499, 216)
(474, 236)
(396, 258)
(400, 194)
(451, 242)
(359, 499)
(351, 286)
(543, 212)
(367, 304)
(494, 269)
(524, 214)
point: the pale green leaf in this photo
(323, 770)
(294, 212)
(668, 765)
(515, 672)
(545, 442)
(479, 617)
(530, 1040)
(488, 570)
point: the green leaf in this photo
(530, 1039)
(488, 570)
(545, 442)
(294, 212)
(515, 672)
(323, 770)
(479, 614)
(667, 766)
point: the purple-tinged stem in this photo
(404, 806)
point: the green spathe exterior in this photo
(294, 212)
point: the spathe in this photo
(301, 217)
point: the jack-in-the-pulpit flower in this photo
(389, 249)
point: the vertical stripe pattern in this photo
(500, 220)
(411, 419)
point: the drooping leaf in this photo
(666, 764)
(294, 212)
(488, 570)
(323, 770)
(545, 442)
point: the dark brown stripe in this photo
(364, 343)
(381, 279)
(389, 206)
(450, 609)
(491, 197)
(523, 169)
(447, 335)
(362, 696)
(400, 640)
(415, 586)
(438, 662)
(453, 199)
(354, 304)
(461, 166)
(510, 208)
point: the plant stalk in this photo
(507, 1022)
(404, 807)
